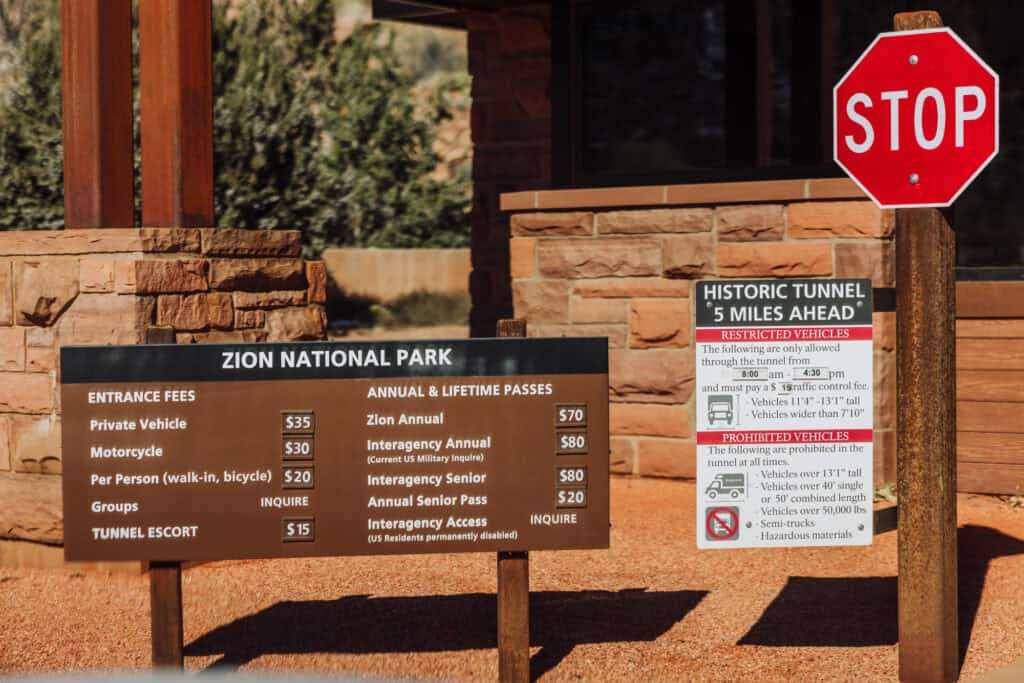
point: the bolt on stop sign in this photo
(916, 118)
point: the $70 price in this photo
(571, 415)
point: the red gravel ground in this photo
(651, 608)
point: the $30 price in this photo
(298, 448)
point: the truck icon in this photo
(731, 485)
(720, 408)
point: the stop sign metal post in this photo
(915, 121)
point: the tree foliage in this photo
(377, 158)
(310, 132)
(31, 151)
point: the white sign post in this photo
(784, 413)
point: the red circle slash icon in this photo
(722, 523)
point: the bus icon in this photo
(727, 485)
(720, 408)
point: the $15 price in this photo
(297, 529)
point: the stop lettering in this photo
(916, 118)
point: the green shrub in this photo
(422, 309)
(309, 133)
(31, 147)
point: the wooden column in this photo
(96, 79)
(513, 587)
(926, 442)
(176, 99)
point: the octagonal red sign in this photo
(916, 118)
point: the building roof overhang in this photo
(450, 13)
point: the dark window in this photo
(707, 90)
(988, 216)
(701, 90)
(631, 54)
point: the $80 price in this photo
(572, 442)
(572, 475)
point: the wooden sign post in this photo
(513, 587)
(926, 441)
(176, 111)
(166, 614)
(917, 159)
(166, 619)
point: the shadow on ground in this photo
(857, 612)
(364, 624)
(844, 612)
(977, 546)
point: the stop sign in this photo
(916, 118)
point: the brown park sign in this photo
(200, 452)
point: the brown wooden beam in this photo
(513, 617)
(176, 98)
(926, 440)
(167, 635)
(926, 445)
(96, 77)
(513, 586)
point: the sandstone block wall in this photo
(116, 286)
(629, 274)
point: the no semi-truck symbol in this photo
(722, 523)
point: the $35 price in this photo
(297, 423)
